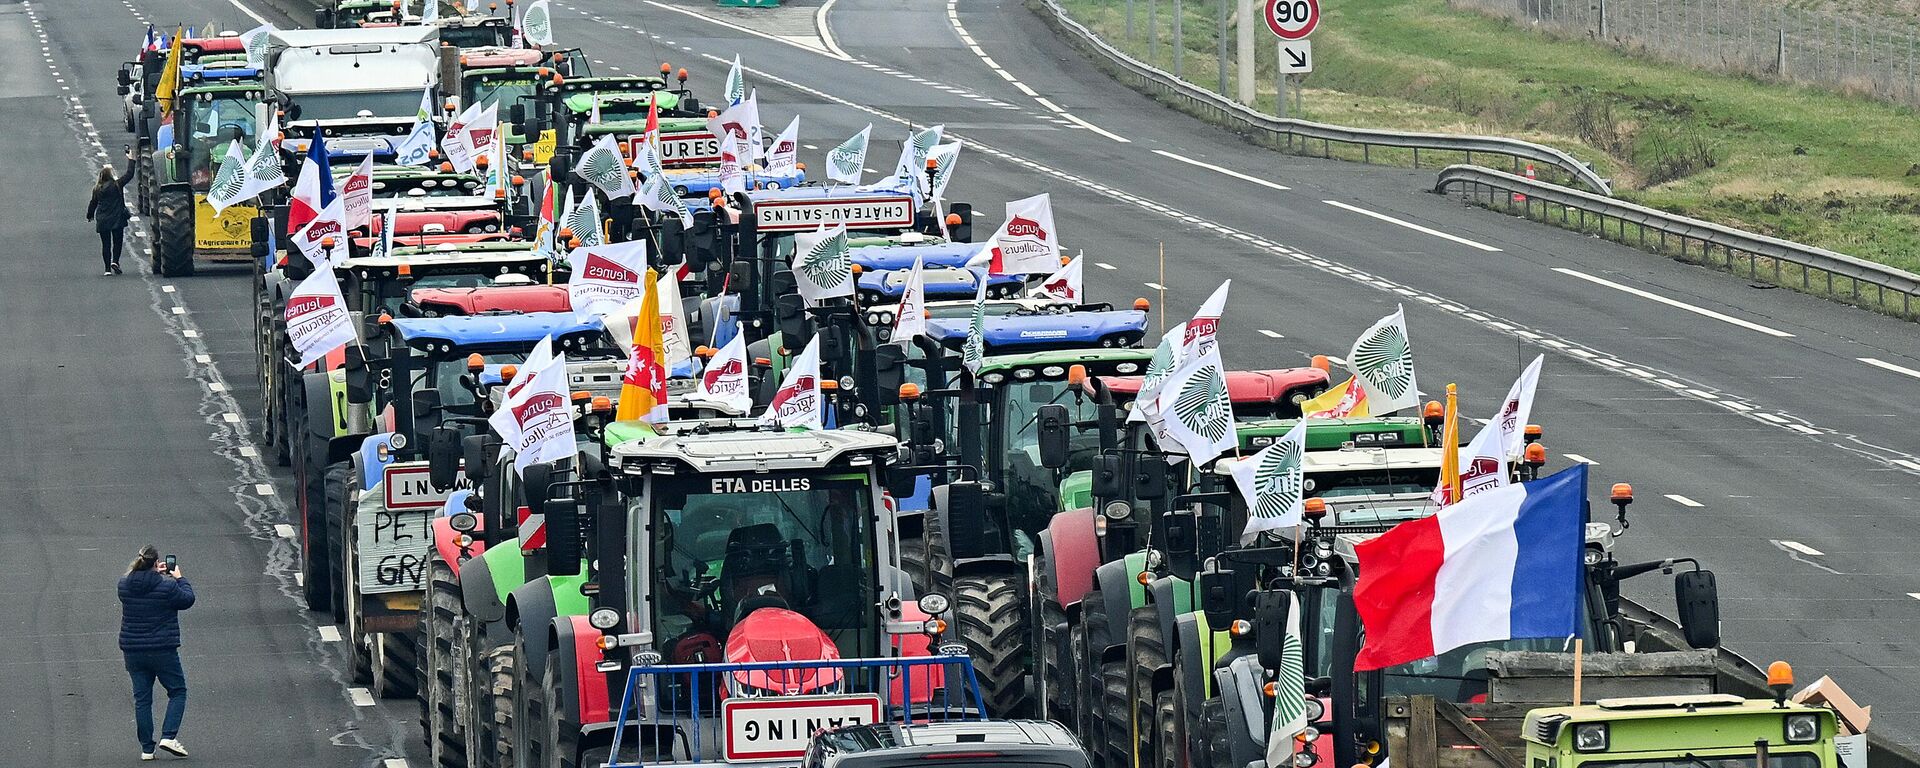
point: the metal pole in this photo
(1244, 31)
(1129, 20)
(1280, 83)
(1220, 43)
(1603, 20)
(1153, 29)
(1179, 39)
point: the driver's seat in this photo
(756, 565)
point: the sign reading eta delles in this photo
(681, 148)
(862, 213)
(779, 728)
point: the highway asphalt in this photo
(1766, 447)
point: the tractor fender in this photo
(444, 535)
(1072, 555)
(369, 465)
(530, 609)
(1192, 667)
(1163, 595)
(1115, 585)
(322, 419)
(583, 691)
(477, 592)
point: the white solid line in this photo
(1700, 394)
(1580, 459)
(1270, 334)
(283, 530)
(1218, 169)
(1684, 501)
(265, 489)
(329, 633)
(257, 18)
(1020, 85)
(1336, 360)
(1914, 595)
(361, 697)
(1878, 363)
(1104, 265)
(1412, 226)
(1907, 464)
(1701, 311)
(1773, 418)
(1743, 407)
(1048, 104)
(754, 32)
(1801, 548)
(826, 31)
(1803, 429)
(1096, 129)
(1155, 286)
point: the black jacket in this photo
(108, 208)
(150, 606)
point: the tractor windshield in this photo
(342, 106)
(502, 89)
(727, 545)
(476, 36)
(445, 374)
(1033, 491)
(217, 120)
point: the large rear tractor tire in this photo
(1055, 669)
(446, 748)
(497, 709)
(1115, 748)
(1213, 735)
(316, 556)
(173, 232)
(1094, 640)
(529, 711)
(562, 739)
(338, 520)
(1146, 652)
(394, 662)
(1166, 726)
(992, 613)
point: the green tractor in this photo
(181, 155)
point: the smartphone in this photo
(126, 147)
(171, 562)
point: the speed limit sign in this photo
(1293, 19)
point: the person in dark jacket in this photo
(108, 212)
(152, 595)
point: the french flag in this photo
(1499, 565)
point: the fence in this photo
(1764, 38)
(1806, 268)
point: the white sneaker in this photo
(107, 273)
(173, 746)
(146, 755)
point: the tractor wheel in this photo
(992, 613)
(394, 662)
(338, 519)
(1166, 727)
(497, 710)
(562, 740)
(445, 747)
(1213, 732)
(913, 560)
(173, 232)
(143, 183)
(1054, 668)
(1116, 742)
(1093, 642)
(1076, 695)
(316, 557)
(288, 420)
(529, 710)
(1146, 652)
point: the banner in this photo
(1063, 285)
(317, 318)
(798, 402)
(1026, 243)
(822, 266)
(783, 157)
(356, 196)
(724, 383)
(1272, 483)
(535, 417)
(606, 276)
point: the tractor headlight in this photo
(1315, 710)
(1590, 737)
(604, 619)
(463, 522)
(1117, 510)
(1801, 729)
(398, 441)
(934, 604)
(1305, 759)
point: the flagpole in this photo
(1579, 654)
(1163, 287)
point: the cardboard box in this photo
(1825, 692)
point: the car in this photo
(1027, 743)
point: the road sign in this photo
(779, 727)
(1296, 57)
(1293, 19)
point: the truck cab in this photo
(1697, 731)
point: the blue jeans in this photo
(145, 667)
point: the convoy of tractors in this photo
(979, 528)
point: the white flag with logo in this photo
(536, 24)
(1063, 285)
(742, 121)
(317, 318)
(1026, 242)
(1204, 329)
(357, 196)
(603, 167)
(1290, 692)
(1273, 482)
(254, 42)
(783, 157)
(1382, 364)
(912, 165)
(798, 402)
(1485, 464)
(606, 276)
(583, 220)
(733, 172)
(846, 162)
(658, 195)
(383, 245)
(1167, 356)
(1195, 409)
(478, 136)
(724, 382)
(430, 12)
(973, 353)
(822, 265)
(943, 157)
(311, 239)
(535, 417)
(418, 147)
(673, 322)
(736, 89)
(910, 318)
(456, 144)
(1518, 408)
(235, 182)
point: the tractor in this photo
(182, 153)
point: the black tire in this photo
(338, 520)
(913, 560)
(316, 552)
(1146, 652)
(1076, 693)
(991, 611)
(1055, 669)
(173, 232)
(446, 747)
(1213, 735)
(561, 739)
(395, 659)
(497, 709)
(1166, 728)
(1093, 641)
(1116, 739)
(143, 184)
(529, 711)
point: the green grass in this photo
(1791, 162)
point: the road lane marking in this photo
(1914, 595)
(1675, 303)
(249, 452)
(1218, 169)
(1412, 226)
(285, 531)
(1096, 129)
(1803, 429)
(1048, 104)
(395, 762)
(1684, 501)
(1155, 286)
(1104, 265)
(1773, 418)
(1801, 548)
(1577, 458)
(756, 33)
(231, 418)
(1907, 464)
(203, 359)
(1879, 363)
(826, 32)
(257, 18)
(361, 697)
(264, 489)
(1270, 334)
(329, 633)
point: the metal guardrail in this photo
(1194, 99)
(1760, 254)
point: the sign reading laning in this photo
(857, 213)
(780, 727)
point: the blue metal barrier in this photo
(730, 712)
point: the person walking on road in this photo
(152, 595)
(108, 212)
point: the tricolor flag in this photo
(798, 402)
(313, 190)
(535, 416)
(317, 319)
(1382, 364)
(910, 318)
(846, 162)
(724, 383)
(1064, 285)
(1503, 565)
(643, 390)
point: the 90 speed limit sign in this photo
(1293, 19)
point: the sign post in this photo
(1292, 21)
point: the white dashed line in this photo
(1270, 334)
(1104, 265)
(231, 418)
(1220, 170)
(1155, 286)
(1684, 501)
(214, 386)
(1773, 418)
(283, 530)
(202, 359)
(249, 451)
(1096, 129)
(1801, 548)
(266, 489)
(329, 633)
(1701, 311)
(1803, 429)
(1411, 225)
(1879, 363)
(1579, 459)
(361, 697)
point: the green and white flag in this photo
(1166, 356)
(1195, 409)
(911, 168)
(384, 245)
(1273, 483)
(242, 178)
(974, 353)
(822, 265)
(254, 42)
(736, 90)
(846, 162)
(603, 167)
(1289, 692)
(658, 195)
(584, 220)
(536, 24)
(943, 157)
(1382, 363)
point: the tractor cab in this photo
(352, 13)
(470, 33)
(213, 109)
(570, 111)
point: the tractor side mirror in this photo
(426, 411)
(517, 114)
(359, 377)
(962, 233)
(1107, 478)
(901, 484)
(890, 371)
(125, 79)
(1053, 420)
(1696, 594)
(1150, 479)
(1270, 609)
(537, 484)
(833, 345)
(473, 450)
(790, 317)
(443, 456)
(563, 535)
(1216, 597)
(1182, 543)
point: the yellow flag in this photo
(1343, 401)
(643, 391)
(1450, 448)
(170, 76)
